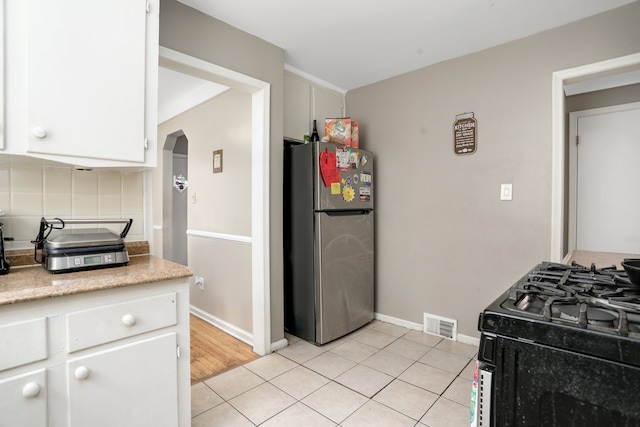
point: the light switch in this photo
(506, 192)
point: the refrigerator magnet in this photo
(335, 188)
(342, 159)
(353, 160)
(365, 194)
(347, 193)
(355, 179)
(365, 178)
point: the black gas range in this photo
(561, 347)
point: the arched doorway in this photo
(174, 190)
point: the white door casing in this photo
(260, 109)
(558, 78)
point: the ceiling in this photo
(348, 44)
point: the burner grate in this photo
(589, 298)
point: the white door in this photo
(607, 174)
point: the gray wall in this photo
(188, 31)
(445, 242)
(222, 204)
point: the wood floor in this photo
(213, 351)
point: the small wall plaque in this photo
(465, 134)
(217, 161)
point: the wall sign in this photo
(465, 134)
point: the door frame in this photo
(573, 163)
(260, 140)
(558, 138)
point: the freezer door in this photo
(344, 273)
(352, 186)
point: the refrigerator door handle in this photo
(350, 212)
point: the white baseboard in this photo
(247, 337)
(232, 330)
(398, 322)
(278, 345)
(465, 339)
(227, 327)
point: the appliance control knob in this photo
(39, 132)
(129, 319)
(31, 389)
(81, 373)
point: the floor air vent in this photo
(441, 326)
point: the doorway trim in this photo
(260, 111)
(558, 144)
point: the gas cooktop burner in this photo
(594, 316)
(586, 297)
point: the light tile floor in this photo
(380, 375)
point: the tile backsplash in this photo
(31, 190)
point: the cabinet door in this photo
(23, 400)
(86, 78)
(297, 107)
(1, 74)
(133, 385)
(327, 104)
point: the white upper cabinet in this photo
(305, 101)
(83, 81)
(1, 74)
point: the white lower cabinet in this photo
(132, 385)
(23, 400)
(117, 357)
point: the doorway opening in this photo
(559, 181)
(260, 111)
(174, 193)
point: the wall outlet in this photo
(200, 282)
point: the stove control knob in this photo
(31, 389)
(129, 319)
(81, 373)
(39, 132)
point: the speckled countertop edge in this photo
(32, 282)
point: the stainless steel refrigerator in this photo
(328, 240)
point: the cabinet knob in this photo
(81, 373)
(39, 132)
(31, 389)
(129, 319)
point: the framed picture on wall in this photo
(217, 161)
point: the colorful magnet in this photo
(353, 160)
(335, 188)
(364, 160)
(365, 191)
(347, 193)
(348, 180)
(355, 179)
(342, 158)
(365, 179)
